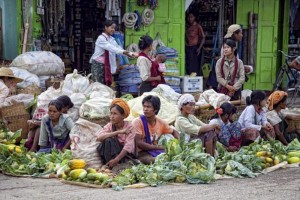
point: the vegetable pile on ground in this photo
(250, 160)
(76, 171)
(181, 163)
(15, 160)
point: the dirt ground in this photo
(281, 184)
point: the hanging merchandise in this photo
(133, 48)
(141, 2)
(138, 21)
(130, 19)
(147, 16)
(153, 4)
(157, 42)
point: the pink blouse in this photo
(126, 140)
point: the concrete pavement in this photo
(281, 184)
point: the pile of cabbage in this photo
(182, 162)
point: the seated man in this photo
(295, 64)
(149, 128)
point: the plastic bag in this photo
(245, 94)
(167, 92)
(75, 83)
(39, 63)
(28, 78)
(95, 108)
(99, 90)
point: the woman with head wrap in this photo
(186, 123)
(277, 102)
(117, 137)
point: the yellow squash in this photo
(77, 164)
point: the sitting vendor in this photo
(34, 124)
(117, 137)
(276, 103)
(8, 83)
(253, 119)
(186, 123)
(55, 128)
(230, 135)
(149, 128)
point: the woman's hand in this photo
(112, 163)
(158, 78)
(126, 131)
(230, 88)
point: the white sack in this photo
(43, 81)
(168, 110)
(213, 98)
(50, 94)
(40, 63)
(167, 92)
(83, 142)
(28, 78)
(75, 83)
(95, 108)
(245, 94)
(24, 98)
(97, 89)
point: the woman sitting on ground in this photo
(253, 119)
(55, 128)
(34, 125)
(186, 123)
(117, 137)
(276, 103)
(230, 135)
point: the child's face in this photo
(159, 59)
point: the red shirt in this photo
(193, 33)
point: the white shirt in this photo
(144, 65)
(217, 121)
(106, 42)
(248, 116)
(4, 92)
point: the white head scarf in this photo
(185, 98)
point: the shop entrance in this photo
(214, 17)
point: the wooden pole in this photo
(25, 37)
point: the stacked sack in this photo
(129, 79)
(172, 71)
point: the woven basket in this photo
(293, 125)
(32, 89)
(101, 121)
(206, 114)
(13, 110)
(14, 123)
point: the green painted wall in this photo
(169, 22)
(269, 39)
(9, 29)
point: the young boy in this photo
(158, 68)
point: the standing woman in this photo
(235, 33)
(144, 64)
(195, 39)
(55, 128)
(230, 71)
(104, 58)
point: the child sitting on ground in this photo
(158, 68)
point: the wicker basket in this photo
(32, 89)
(206, 114)
(101, 121)
(13, 110)
(293, 125)
(14, 123)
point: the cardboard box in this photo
(192, 84)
